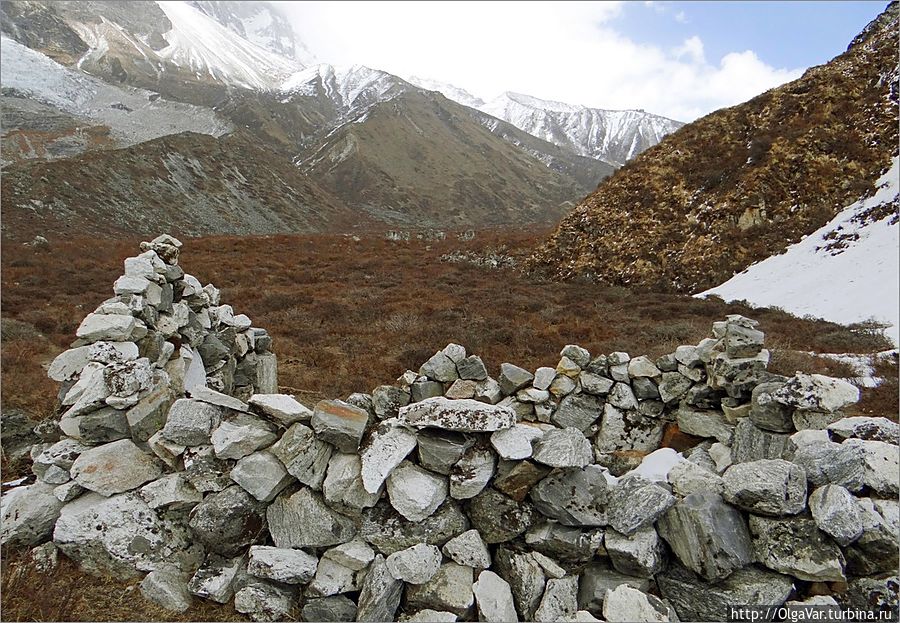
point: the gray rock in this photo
(882, 465)
(640, 554)
(488, 391)
(513, 378)
(167, 589)
(560, 600)
(499, 518)
(815, 392)
(574, 497)
(148, 416)
(826, 462)
(385, 449)
(28, 514)
(450, 589)
(624, 603)
(89, 393)
(543, 377)
(68, 491)
(414, 492)
(240, 435)
(868, 428)
(215, 578)
(282, 408)
(332, 578)
(562, 386)
(61, 454)
(597, 579)
(880, 595)
(517, 478)
(115, 468)
(416, 564)
(619, 372)
(457, 415)
(389, 531)
(742, 341)
(704, 424)
(336, 608)
(672, 386)
(579, 411)
(355, 555)
(343, 487)
(471, 368)
(575, 545)
(261, 475)
(566, 447)
(340, 424)
(876, 550)
(532, 395)
(577, 354)
(291, 566)
(643, 367)
(423, 390)
(121, 536)
(494, 598)
(380, 594)
(472, 473)
(696, 599)
(101, 426)
(797, 547)
(204, 470)
(461, 390)
(211, 396)
(515, 443)
(526, 579)
(766, 412)
(468, 550)
(645, 389)
(171, 491)
(228, 521)
(304, 456)
(440, 368)
(595, 384)
(264, 601)
(836, 513)
(303, 520)
(386, 400)
(636, 502)
(708, 536)
(567, 367)
(622, 397)
(44, 558)
(439, 450)
(628, 430)
(687, 477)
(112, 327)
(768, 487)
(191, 422)
(752, 444)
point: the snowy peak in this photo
(461, 96)
(349, 88)
(614, 136)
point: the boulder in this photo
(708, 536)
(414, 492)
(815, 392)
(111, 327)
(640, 554)
(440, 368)
(355, 555)
(471, 474)
(291, 566)
(575, 545)
(797, 547)
(882, 465)
(672, 386)
(573, 496)
(766, 412)
(643, 367)
(876, 550)
(752, 443)
(28, 514)
(621, 396)
(469, 550)
(836, 513)
(282, 408)
(386, 401)
(704, 424)
(421, 390)
(499, 518)
(122, 536)
(826, 462)
(628, 431)
(304, 520)
(566, 447)
(416, 564)
(303, 455)
(636, 502)
(450, 589)
(167, 589)
(340, 424)
(388, 445)
(686, 477)
(115, 468)
(516, 478)
(204, 470)
(439, 450)
(768, 487)
(171, 491)
(261, 475)
(471, 368)
(468, 416)
(332, 578)
(228, 521)
(868, 428)
(461, 390)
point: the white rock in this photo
(215, 578)
(240, 436)
(816, 392)
(458, 415)
(355, 555)
(643, 367)
(219, 399)
(560, 600)
(96, 327)
(551, 569)
(195, 374)
(455, 352)
(131, 285)
(430, 616)
(171, 491)
(566, 447)
(167, 589)
(115, 468)
(624, 603)
(469, 550)
(721, 454)
(416, 564)
(281, 407)
(471, 473)
(68, 491)
(27, 514)
(514, 443)
(543, 377)
(88, 393)
(388, 446)
(167, 451)
(343, 486)
(69, 363)
(622, 396)
(494, 598)
(882, 465)
(261, 475)
(837, 513)
(688, 477)
(332, 578)
(291, 566)
(264, 601)
(414, 492)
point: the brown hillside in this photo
(742, 183)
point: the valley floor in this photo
(348, 314)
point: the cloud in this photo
(566, 51)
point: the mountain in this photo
(852, 264)
(613, 136)
(449, 91)
(743, 183)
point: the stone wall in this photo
(452, 495)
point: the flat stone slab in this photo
(288, 565)
(469, 416)
(387, 447)
(340, 424)
(280, 407)
(567, 447)
(115, 468)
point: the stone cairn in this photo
(450, 495)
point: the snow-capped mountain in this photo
(846, 272)
(350, 89)
(614, 136)
(260, 23)
(449, 91)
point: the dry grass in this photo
(348, 315)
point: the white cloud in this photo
(566, 51)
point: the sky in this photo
(678, 59)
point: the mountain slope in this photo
(742, 183)
(852, 264)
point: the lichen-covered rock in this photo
(815, 392)
(882, 465)
(388, 445)
(868, 428)
(499, 518)
(229, 521)
(836, 513)
(215, 578)
(768, 487)
(471, 474)
(515, 443)
(469, 550)
(826, 462)
(574, 497)
(567, 447)
(304, 520)
(291, 566)
(449, 589)
(636, 502)
(526, 579)
(389, 532)
(797, 547)
(640, 554)
(457, 415)
(167, 589)
(578, 410)
(303, 455)
(115, 468)
(28, 514)
(560, 600)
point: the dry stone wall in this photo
(450, 495)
